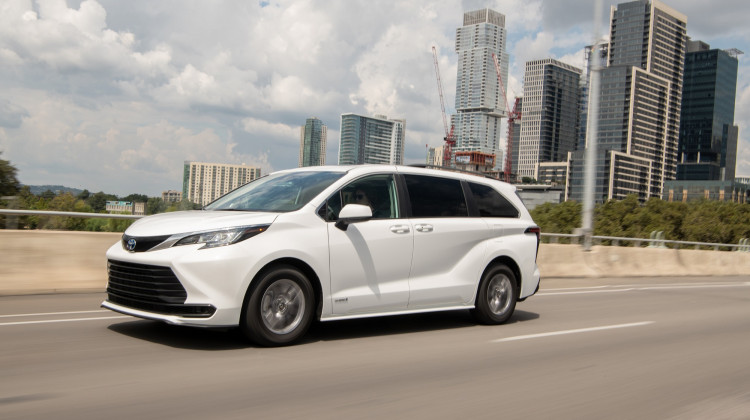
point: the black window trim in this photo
(407, 198)
(476, 206)
(404, 200)
(403, 195)
(403, 205)
(471, 203)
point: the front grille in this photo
(142, 243)
(150, 288)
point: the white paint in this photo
(576, 331)
(52, 321)
(53, 313)
(631, 288)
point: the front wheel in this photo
(496, 298)
(279, 310)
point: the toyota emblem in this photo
(130, 245)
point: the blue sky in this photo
(114, 96)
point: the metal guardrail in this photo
(67, 214)
(656, 241)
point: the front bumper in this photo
(219, 319)
(180, 286)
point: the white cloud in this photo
(64, 38)
(113, 95)
(260, 127)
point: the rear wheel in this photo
(496, 298)
(279, 310)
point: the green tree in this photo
(67, 202)
(117, 225)
(48, 195)
(184, 205)
(98, 201)
(717, 222)
(698, 221)
(558, 218)
(610, 217)
(9, 184)
(155, 205)
(84, 195)
(136, 198)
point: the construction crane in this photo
(449, 140)
(513, 115)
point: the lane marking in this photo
(579, 288)
(620, 289)
(609, 286)
(583, 292)
(55, 313)
(51, 321)
(576, 331)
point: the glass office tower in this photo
(708, 136)
(550, 114)
(312, 143)
(376, 140)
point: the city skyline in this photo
(640, 102)
(114, 97)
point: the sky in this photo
(114, 96)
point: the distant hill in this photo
(57, 189)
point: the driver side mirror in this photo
(353, 213)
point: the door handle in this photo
(423, 228)
(400, 229)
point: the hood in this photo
(196, 221)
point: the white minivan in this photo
(329, 243)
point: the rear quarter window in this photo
(491, 203)
(432, 196)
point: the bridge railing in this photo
(84, 215)
(655, 241)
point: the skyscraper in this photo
(371, 140)
(639, 113)
(312, 143)
(549, 126)
(480, 103)
(708, 136)
(203, 183)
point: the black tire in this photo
(279, 308)
(497, 295)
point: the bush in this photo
(695, 221)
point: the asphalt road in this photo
(655, 348)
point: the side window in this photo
(432, 196)
(376, 191)
(491, 203)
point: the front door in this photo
(370, 260)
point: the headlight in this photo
(222, 237)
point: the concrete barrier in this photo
(41, 261)
(561, 261)
(37, 262)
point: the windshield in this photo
(277, 192)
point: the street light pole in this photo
(589, 181)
